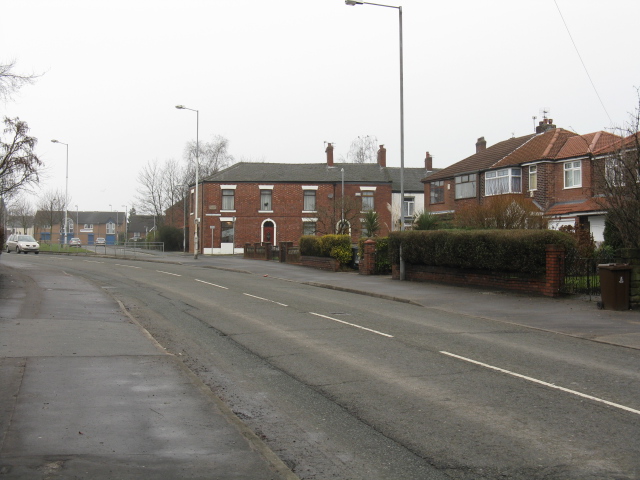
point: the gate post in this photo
(555, 270)
(368, 262)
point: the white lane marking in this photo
(92, 261)
(546, 384)
(352, 325)
(168, 273)
(128, 266)
(265, 299)
(212, 284)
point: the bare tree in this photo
(618, 183)
(213, 157)
(152, 191)
(173, 176)
(19, 165)
(363, 150)
(11, 82)
(51, 208)
(331, 221)
(22, 212)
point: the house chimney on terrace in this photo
(329, 152)
(481, 145)
(382, 156)
(428, 162)
(545, 125)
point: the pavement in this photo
(88, 393)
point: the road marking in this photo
(92, 261)
(212, 284)
(265, 299)
(129, 266)
(167, 273)
(353, 325)
(546, 384)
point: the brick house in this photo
(554, 168)
(87, 226)
(276, 202)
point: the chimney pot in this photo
(329, 152)
(382, 156)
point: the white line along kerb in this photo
(546, 384)
(353, 325)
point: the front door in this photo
(268, 233)
(226, 237)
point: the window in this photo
(226, 232)
(111, 228)
(499, 182)
(533, 177)
(466, 186)
(437, 192)
(409, 206)
(367, 201)
(308, 228)
(88, 226)
(309, 201)
(228, 199)
(71, 225)
(265, 200)
(573, 174)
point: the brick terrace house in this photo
(87, 226)
(276, 202)
(554, 168)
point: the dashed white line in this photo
(169, 273)
(212, 284)
(128, 266)
(265, 299)
(353, 325)
(541, 382)
(92, 261)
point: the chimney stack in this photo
(545, 125)
(382, 156)
(481, 145)
(428, 162)
(329, 152)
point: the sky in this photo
(279, 78)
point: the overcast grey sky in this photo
(278, 78)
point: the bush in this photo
(522, 251)
(310, 245)
(329, 242)
(171, 236)
(342, 254)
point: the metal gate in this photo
(582, 276)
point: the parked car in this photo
(100, 241)
(22, 243)
(75, 242)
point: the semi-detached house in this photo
(280, 202)
(553, 168)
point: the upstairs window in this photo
(367, 201)
(499, 182)
(111, 228)
(573, 174)
(228, 199)
(466, 186)
(409, 206)
(533, 177)
(265, 200)
(309, 201)
(437, 192)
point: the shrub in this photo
(171, 236)
(371, 224)
(310, 245)
(522, 251)
(329, 242)
(425, 221)
(342, 254)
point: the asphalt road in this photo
(347, 386)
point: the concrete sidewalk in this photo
(86, 393)
(574, 316)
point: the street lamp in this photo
(66, 191)
(75, 231)
(126, 230)
(196, 220)
(399, 8)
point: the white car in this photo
(22, 243)
(75, 242)
(101, 241)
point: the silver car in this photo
(22, 243)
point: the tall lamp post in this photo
(126, 229)
(66, 192)
(196, 220)
(399, 8)
(76, 230)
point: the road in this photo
(347, 386)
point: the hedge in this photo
(335, 246)
(522, 251)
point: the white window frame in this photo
(439, 185)
(308, 193)
(409, 202)
(572, 171)
(503, 181)
(369, 205)
(111, 228)
(222, 195)
(533, 178)
(266, 206)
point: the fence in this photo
(128, 249)
(582, 276)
